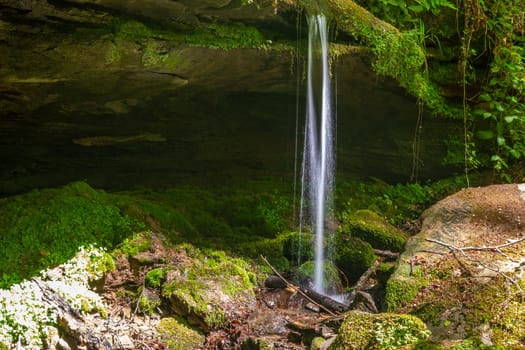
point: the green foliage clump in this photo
(224, 219)
(399, 203)
(130, 246)
(503, 99)
(379, 331)
(406, 13)
(353, 256)
(179, 336)
(370, 227)
(155, 277)
(45, 228)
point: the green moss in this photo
(132, 30)
(370, 227)
(155, 277)
(331, 282)
(353, 256)
(154, 54)
(46, 227)
(147, 303)
(401, 290)
(379, 331)
(179, 336)
(114, 54)
(138, 242)
(398, 203)
(228, 36)
(199, 288)
(316, 343)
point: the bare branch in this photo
(497, 248)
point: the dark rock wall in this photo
(81, 102)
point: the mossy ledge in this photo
(397, 54)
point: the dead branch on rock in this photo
(298, 289)
(361, 282)
(386, 254)
(497, 249)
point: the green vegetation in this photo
(155, 277)
(379, 331)
(45, 228)
(398, 203)
(201, 287)
(370, 227)
(499, 110)
(352, 255)
(178, 335)
(228, 36)
(479, 46)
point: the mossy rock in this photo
(332, 281)
(45, 228)
(401, 289)
(316, 343)
(206, 282)
(178, 336)
(379, 331)
(353, 256)
(370, 227)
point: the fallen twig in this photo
(360, 285)
(386, 254)
(491, 248)
(297, 288)
(497, 248)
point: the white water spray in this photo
(318, 154)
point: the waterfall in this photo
(318, 154)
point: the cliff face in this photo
(111, 90)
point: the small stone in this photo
(62, 345)
(312, 307)
(125, 342)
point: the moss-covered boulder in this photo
(205, 283)
(43, 228)
(332, 281)
(379, 331)
(179, 336)
(372, 228)
(353, 256)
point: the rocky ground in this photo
(458, 284)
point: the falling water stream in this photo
(318, 153)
